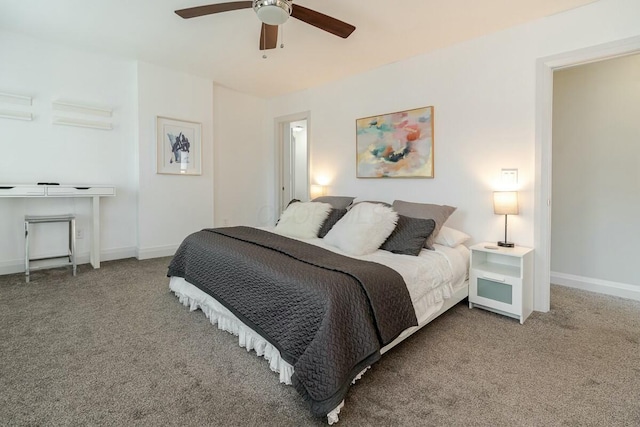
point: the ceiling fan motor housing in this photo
(272, 12)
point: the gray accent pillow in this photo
(439, 213)
(334, 216)
(409, 236)
(337, 202)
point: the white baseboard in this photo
(113, 254)
(606, 287)
(17, 265)
(156, 251)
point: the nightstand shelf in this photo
(500, 269)
(501, 280)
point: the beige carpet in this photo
(114, 347)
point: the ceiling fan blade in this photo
(268, 36)
(322, 21)
(209, 9)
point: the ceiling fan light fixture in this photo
(273, 12)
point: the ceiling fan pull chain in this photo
(264, 42)
(281, 36)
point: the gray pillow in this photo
(334, 216)
(409, 236)
(337, 202)
(439, 213)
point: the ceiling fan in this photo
(273, 13)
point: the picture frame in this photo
(179, 146)
(396, 145)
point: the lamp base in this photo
(506, 244)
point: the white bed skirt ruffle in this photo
(192, 297)
(219, 315)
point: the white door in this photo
(294, 161)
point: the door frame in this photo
(279, 125)
(543, 148)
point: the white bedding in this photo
(431, 278)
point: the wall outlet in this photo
(79, 233)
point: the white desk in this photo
(93, 191)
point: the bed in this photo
(319, 314)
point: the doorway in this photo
(595, 165)
(543, 176)
(292, 136)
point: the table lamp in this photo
(505, 203)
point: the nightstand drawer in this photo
(495, 291)
(494, 277)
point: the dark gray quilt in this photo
(327, 314)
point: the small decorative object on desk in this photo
(505, 203)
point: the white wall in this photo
(244, 160)
(172, 206)
(34, 151)
(596, 179)
(483, 92)
(151, 214)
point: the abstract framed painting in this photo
(179, 146)
(395, 145)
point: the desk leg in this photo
(95, 235)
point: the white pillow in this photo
(303, 219)
(363, 228)
(451, 237)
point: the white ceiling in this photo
(224, 47)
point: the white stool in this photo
(32, 219)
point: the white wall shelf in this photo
(81, 109)
(65, 121)
(9, 98)
(16, 115)
(10, 101)
(72, 114)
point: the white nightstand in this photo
(501, 280)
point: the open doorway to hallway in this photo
(293, 159)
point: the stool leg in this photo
(72, 244)
(26, 251)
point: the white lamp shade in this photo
(505, 202)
